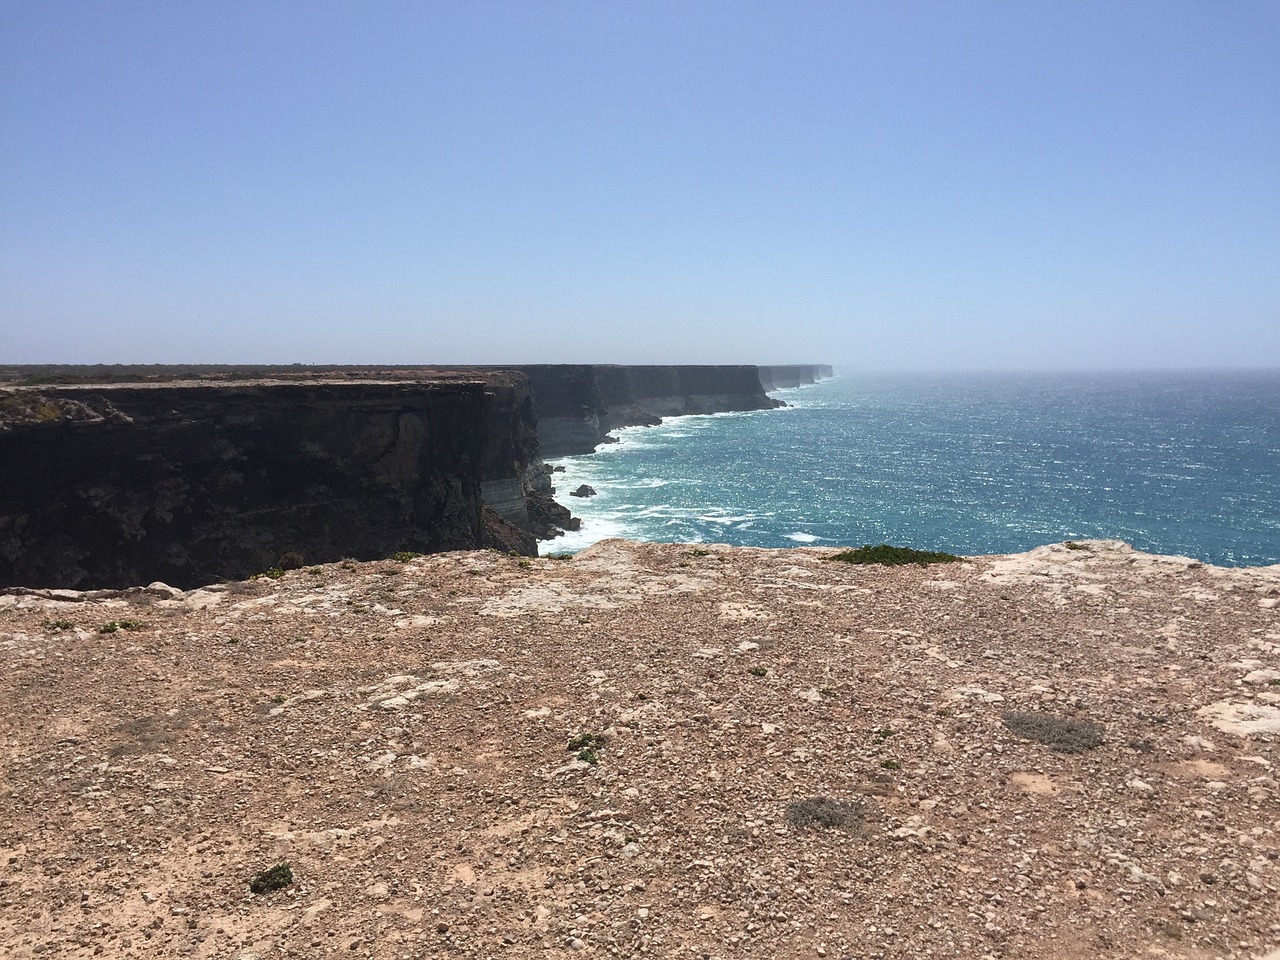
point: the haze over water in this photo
(1172, 462)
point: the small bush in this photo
(891, 764)
(271, 573)
(279, 876)
(404, 556)
(291, 560)
(587, 741)
(1072, 545)
(1058, 733)
(699, 552)
(57, 626)
(824, 812)
(757, 671)
(890, 556)
(114, 625)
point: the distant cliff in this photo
(105, 486)
(578, 405)
(782, 377)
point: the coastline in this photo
(189, 474)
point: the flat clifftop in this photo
(635, 751)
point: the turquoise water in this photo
(1184, 463)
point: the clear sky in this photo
(878, 184)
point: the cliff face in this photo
(111, 486)
(194, 481)
(784, 376)
(515, 483)
(578, 405)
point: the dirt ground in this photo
(649, 750)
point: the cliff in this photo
(781, 377)
(654, 751)
(116, 475)
(190, 482)
(578, 405)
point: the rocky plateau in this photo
(648, 750)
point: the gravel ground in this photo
(650, 750)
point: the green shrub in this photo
(57, 626)
(271, 573)
(291, 560)
(277, 877)
(404, 556)
(114, 625)
(1057, 733)
(757, 671)
(890, 556)
(586, 741)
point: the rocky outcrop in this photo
(579, 404)
(189, 483)
(785, 376)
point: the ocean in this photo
(1173, 462)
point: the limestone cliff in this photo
(579, 405)
(118, 475)
(193, 482)
(781, 377)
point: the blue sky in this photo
(881, 185)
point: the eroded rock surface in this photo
(400, 734)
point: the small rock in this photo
(583, 491)
(1261, 676)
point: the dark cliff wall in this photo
(515, 482)
(569, 407)
(784, 376)
(110, 487)
(578, 405)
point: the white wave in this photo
(803, 537)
